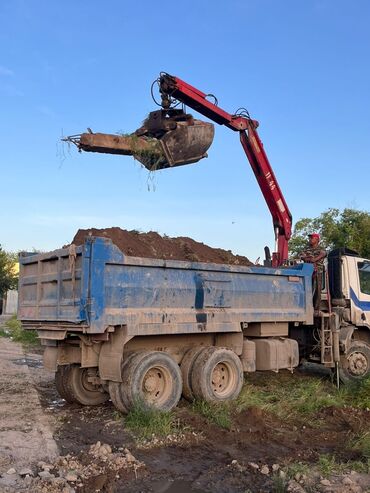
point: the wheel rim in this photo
(358, 364)
(156, 385)
(85, 383)
(223, 379)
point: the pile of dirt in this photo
(153, 245)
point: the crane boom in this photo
(172, 87)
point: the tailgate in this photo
(53, 287)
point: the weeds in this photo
(217, 413)
(357, 394)
(279, 484)
(12, 328)
(145, 422)
(361, 444)
(297, 468)
(289, 397)
(328, 465)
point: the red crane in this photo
(170, 137)
(172, 87)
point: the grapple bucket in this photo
(187, 143)
(162, 142)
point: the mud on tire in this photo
(61, 379)
(152, 379)
(217, 375)
(117, 395)
(186, 366)
(355, 365)
(81, 389)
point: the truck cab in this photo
(349, 279)
(357, 289)
(349, 282)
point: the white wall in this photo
(10, 302)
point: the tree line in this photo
(347, 228)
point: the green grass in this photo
(12, 328)
(361, 444)
(279, 484)
(289, 396)
(297, 468)
(328, 465)
(216, 413)
(358, 394)
(148, 422)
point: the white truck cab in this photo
(356, 288)
(349, 281)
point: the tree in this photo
(8, 278)
(348, 228)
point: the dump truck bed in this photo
(94, 287)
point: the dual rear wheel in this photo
(150, 378)
(154, 379)
(76, 384)
(212, 374)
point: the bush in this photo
(146, 422)
(217, 413)
(13, 329)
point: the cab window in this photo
(364, 275)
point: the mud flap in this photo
(110, 357)
(50, 358)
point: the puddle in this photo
(33, 363)
(55, 404)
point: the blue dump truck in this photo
(130, 328)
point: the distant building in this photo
(9, 303)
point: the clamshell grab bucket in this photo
(187, 143)
(176, 144)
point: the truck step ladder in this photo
(326, 335)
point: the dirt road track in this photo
(36, 425)
(26, 432)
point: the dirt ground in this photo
(80, 449)
(153, 245)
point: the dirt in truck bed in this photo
(153, 245)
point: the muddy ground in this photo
(153, 245)
(202, 458)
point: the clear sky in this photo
(301, 67)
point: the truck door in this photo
(359, 291)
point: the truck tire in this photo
(83, 391)
(152, 379)
(355, 365)
(61, 379)
(217, 375)
(118, 397)
(186, 366)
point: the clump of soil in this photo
(153, 245)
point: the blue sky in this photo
(300, 67)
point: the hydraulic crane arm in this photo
(169, 137)
(174, 88)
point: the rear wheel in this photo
(355, 365)
(152, 379)
(186, 366)
(82, 386)
(62, 376)
(117, 397)
(217, 375)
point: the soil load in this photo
(153, 245)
